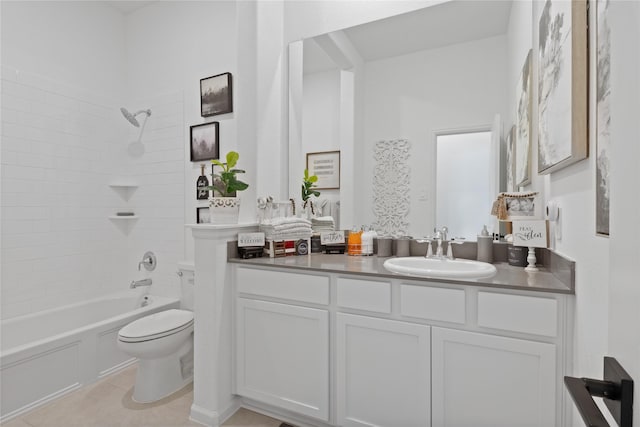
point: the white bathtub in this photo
(50, 353)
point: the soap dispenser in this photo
(485, 246)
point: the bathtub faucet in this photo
(143, 282)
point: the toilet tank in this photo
(186, 275)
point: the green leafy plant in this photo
(308, 183)
(226, 183)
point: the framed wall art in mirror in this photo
(326, 166)
(562, 84)
(603, 141)
(216, 95)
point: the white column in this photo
(212, 380)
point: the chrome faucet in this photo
(439, 236)
(148, 261)
(450, 244)
(143, 282)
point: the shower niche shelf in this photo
(124, 189)
(124, 223)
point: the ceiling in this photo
(444, 24)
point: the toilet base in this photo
(161, 377)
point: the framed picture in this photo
(202, 215)
(326, 165)
(216, 95)
(603, 117)
(563, 84)
(522, 208)
(204, 142)
(522, 136)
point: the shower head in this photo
(132, 117)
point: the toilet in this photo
(163, 344)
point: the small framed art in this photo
(216, 95)
(204, 142)
(326, 166)
(202, 215)
(522, 208)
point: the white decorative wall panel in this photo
(391, 186)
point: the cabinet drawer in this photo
(446, 305)
(290, 286)
(364, 295)
(518, 313)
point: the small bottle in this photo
(202, 193)
(485, 246)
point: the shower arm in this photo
(146, 116)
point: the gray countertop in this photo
(507, 276)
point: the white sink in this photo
(441, 268)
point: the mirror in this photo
(383, 92)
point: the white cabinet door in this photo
(283, 356)
(383, 373)
(481, 380)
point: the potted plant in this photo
(308, 183)
(225, 207)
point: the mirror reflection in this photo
(386, 93)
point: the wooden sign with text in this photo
(531, 233)
(250, 239)
(332, 238)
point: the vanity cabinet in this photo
(355, 351)
(283, 356)
(383, 372)
(487, 380)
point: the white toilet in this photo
(163, 344)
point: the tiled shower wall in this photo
(159, 199)
(59, 151)
(61, 148)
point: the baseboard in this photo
(214, 418)
(204, 416)
(283, 415)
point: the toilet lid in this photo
(156, 325)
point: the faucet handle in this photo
(445, 232)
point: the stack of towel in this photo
(322, 224)
(286, 228)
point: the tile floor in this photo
(107, 403)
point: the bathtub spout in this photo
(143, 282)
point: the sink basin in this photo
(440, 268)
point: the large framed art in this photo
(562, 84)
(603, 117)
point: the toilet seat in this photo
(157, 325)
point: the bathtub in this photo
(47, 354)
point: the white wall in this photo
(170, 46)
(623, 290)
(415, 96)
(64, 139)
(60, 134)
(321, 111)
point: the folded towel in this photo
(286, 220)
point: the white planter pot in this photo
(224, 210)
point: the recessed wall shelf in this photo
(124, 189)
(124, 223)
(121, 217)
